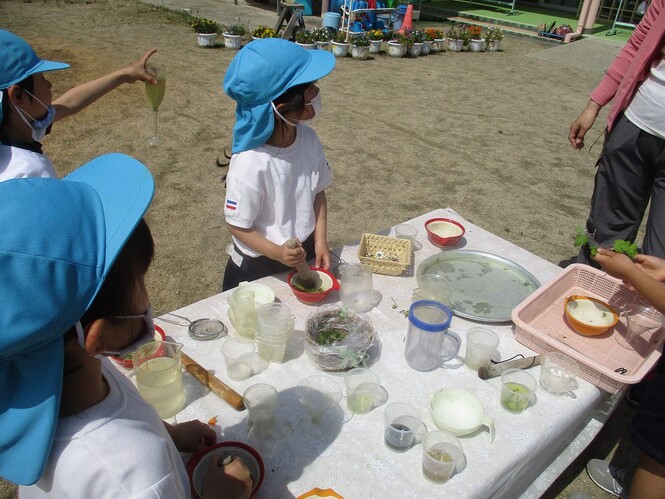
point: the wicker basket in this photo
(391, 247)
(540, 324)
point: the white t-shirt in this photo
(272, 189)
(647, 109)
(21, 163)
(117, 448)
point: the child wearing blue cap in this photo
(27, 110)
(275, 188)
(72, 290)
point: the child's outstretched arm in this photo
(622, 267)
(78, 98)
(288, 256)
(321, 231)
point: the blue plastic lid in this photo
(429, 326)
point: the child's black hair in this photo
(25, 84)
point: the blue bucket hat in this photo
(59, 241)
(18, 61)
(262, 71)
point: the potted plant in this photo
(419, 38)
(493, 38)
(340, 47)
(476, 40)
(322, 37)
(433, 39)
(455, 40)
(305, 38)
(206, 31)
(401, 44)
(360, 47)
(375, 38)
(233, 36)
(263, 31)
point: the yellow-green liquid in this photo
(155, 92)
(515, 397)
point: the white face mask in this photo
(146, 338)
(274, 108)
(38, 127)
(317, 105)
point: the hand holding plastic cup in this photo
(362, 386)
(558, 373)
(517, 389)
(442, 452)
(481, 343)
(402, 423)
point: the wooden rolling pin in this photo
(219, 388)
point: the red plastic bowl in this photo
(328, 283)
(126, 361)
(444, 231)
(248, 454)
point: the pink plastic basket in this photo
(541, 325)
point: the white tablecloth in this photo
(530, 449)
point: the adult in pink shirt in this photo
(631, 168)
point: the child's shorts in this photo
(647, 429)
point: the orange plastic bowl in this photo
(126, 360)
(328, 283)
(589, 316)
(444, 231)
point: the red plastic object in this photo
(540, 324)
(126, 361)
(444, 241)
(328, 280)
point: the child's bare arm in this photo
(81, 96)
(289, 257)
(622, 267)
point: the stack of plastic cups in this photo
(273, 332)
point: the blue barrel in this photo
(331, 20)
(307, 11)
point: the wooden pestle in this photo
(305, 277)
(226, 393)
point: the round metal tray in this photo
(483, 287)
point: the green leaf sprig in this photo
(582, 237)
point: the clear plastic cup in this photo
(317, 394)
(274, 318)
(517, 389)
(362, 386)
(357, 288)
(261, 401)
(239, 357)
(402, 422)
(406, 231)
(558, 372)
(481, 343)
(442, 452)
(242, 311)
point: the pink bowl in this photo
(328, 283)
(444, 231)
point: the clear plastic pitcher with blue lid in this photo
(429, 343)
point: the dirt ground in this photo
(482, 133)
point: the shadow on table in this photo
(298, 443)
